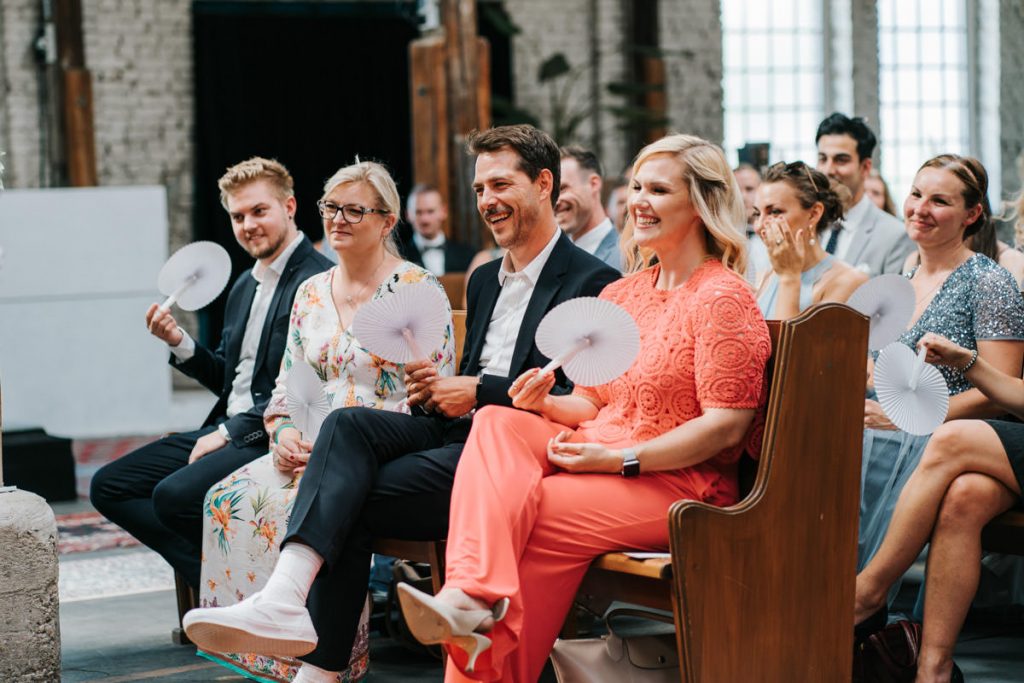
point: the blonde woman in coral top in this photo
(543, 489)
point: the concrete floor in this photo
(127, 638)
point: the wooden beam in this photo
(429, 95)
(75, 83)
(79, 135)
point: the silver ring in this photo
(778, 241)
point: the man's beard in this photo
(269, 250)
(518, 235)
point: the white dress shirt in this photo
(851, 224)
(509, 309)
(431, 251)
(267, 277)
(592, 240)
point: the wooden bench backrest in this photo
(765, 587)
(455, 286)
(459, 323)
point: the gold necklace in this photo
(350, 299)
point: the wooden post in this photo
(76, 86)
(450, 86)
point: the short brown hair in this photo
(535, 148)
(253, 169)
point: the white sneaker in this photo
(253, 625)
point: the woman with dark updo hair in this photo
(795, 204)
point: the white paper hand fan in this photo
(194, 275)
(404, 326)
(888, 301)
(306, 399)
(593, 340)
(912, 393)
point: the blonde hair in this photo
(714, 192)
(251, 170)
(377, 177)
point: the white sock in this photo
(314, 674)
(293, 575)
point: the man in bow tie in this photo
(428, 246)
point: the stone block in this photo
(30, 627)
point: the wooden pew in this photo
(763, 590)
(455, 286)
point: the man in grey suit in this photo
(868, 238)
(579, 210)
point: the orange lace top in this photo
(702, 345)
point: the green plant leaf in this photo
(554, 66)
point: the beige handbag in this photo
(614, 659)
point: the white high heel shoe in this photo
(432, 621)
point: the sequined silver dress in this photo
(979, 301)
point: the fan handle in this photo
(562, 359)
(413, 346)
(915, 375)
(173, 298)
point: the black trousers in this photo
(151, 494)
(372, 473)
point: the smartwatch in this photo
(630, 465)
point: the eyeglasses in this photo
(352, 213)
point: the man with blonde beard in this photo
(156, 492)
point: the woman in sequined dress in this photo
(971, 471)
(960, 295)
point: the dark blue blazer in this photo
(569, 273)
(215, 370)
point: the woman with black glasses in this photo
(245, 514)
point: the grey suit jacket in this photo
(608, 250)
(880, 245)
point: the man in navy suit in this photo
(156, 492)
(374, 473)
(579, 210)
(428, 246)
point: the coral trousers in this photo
(521, 528)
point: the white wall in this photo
(79, 269)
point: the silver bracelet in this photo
(970, 364)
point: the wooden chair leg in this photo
(187, 599)
(436, 554)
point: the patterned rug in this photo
(81, 532)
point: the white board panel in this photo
(79, 269)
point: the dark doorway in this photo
(311, 84)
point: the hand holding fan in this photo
(399, 326)
(888, 301)
(306, 399)
(594, 340)
(194, 275)
(913, 394)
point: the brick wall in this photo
(691, 35)
(140, 55)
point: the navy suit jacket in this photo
(215, 370)
(569, 272)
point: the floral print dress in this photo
(246, 513)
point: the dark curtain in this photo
(310, 84)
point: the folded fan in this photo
(398, 327)
(593, 340)
(888, 302)
(306, 398)
(194, 275)
(913, 394)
